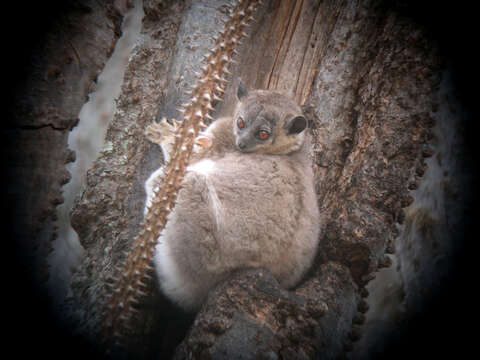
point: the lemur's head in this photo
(267, 122)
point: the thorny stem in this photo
(129, 286)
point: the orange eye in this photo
(240, 123)
(263, 135)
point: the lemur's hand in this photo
(203, 141)
(162, 132)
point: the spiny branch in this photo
(129, 286)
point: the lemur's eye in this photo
(240, 123)
(263, 134)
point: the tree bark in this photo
(61, 74)
(367, 78)
(52, 66)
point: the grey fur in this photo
(241, 209)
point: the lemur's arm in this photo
(217, 139)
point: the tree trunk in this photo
(368, 78)
(56, 50)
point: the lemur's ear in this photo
(241, 91)
(295, 125)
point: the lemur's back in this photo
(241, 209)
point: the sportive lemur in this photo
(247, 200)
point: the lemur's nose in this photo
(241, 145)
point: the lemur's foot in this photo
(162, 132)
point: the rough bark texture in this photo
(61, 75)
(368, 79)
(251, 317)
(53, 68)
(377, 79)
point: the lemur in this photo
(247, 200)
